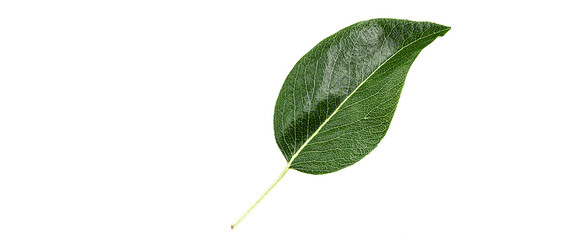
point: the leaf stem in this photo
(260, 199)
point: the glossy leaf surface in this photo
(338, 101)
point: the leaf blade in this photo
(357, 65)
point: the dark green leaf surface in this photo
(338, 101)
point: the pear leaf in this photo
(337, 102)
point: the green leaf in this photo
(337, 102)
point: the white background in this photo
(153, 120)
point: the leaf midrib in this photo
(348, 96)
